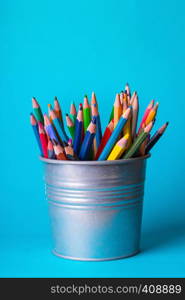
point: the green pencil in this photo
(138, 141)
(86, 113)
(70, 126)
(37, 111)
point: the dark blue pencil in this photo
(88, 140)
(78, 131)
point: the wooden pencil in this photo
(154, 139)
(59, 151)
(43, 139)
(138, 141)
(58, 110)
(128, 126)
(34, 125)
(50, 129)
(108, 131)
(70, 126)
(73, 112)
(51, 153)
(135, 110)
(117, 110)
(119, 148)
(37, 110)
(98, 135)
(58, 126)
(86, 113)
(115, 134)
(127, 90)
(149, 107)
(151, 114)
(78, 131)
(88, 140)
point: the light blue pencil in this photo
(115, 134)
(58, 126)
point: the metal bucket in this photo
(95, 207)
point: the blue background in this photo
(69, 48)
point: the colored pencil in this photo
(142, 148)
(149, 107)
(93, 99)
(37, 110)
(43, 139)
(51, 153)
(98, 135)
(119, 148)
(117, 110)
(50, 129)
(70, 126)
(135, 110)
(34, 125)
(151, 114)
(58, 110)
(154, 139)
(78, 131)
(58, 127)
(49, 109)
(68, 149)
(128, 126)
(88, 140)
(127, 89)
(108, 131)
(86, 113)
(59, 151)
(111, 114)
(115, 134)
(73, 113)
(138, 141)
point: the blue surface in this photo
(68, 49)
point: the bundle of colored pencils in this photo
(84, 140)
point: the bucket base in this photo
(93, 259)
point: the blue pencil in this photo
(58, 126)
(50, 130)
(51, 153)
(115, 134)
(34, 124)
(78, 131)
(88, 140)
(98, 135)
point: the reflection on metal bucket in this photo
(95, 207)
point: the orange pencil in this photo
(149, 107)
(59, 151)
(152, 114)
(58, 110)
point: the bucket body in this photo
(95, 207)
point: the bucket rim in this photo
(94, 162)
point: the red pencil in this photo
(43, 139)
(149, 107)
(108, 131)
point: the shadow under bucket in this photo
(95, 207)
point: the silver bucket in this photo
(95, 207)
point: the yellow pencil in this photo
(117, 110)
(128, 126)
(151, 114)
(119, 148)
